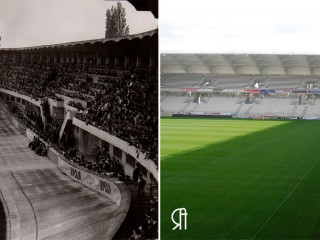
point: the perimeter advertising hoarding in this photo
(188, 89)
(232, 90)
(200, 90)
(282, 91)
(252, 90)
(262, 91)
(204, 90)
(313, 91)
(196, 113)
(97, 183)
(299, 91)
(267, 91)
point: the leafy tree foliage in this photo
(116, 22)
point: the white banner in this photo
(95, 182)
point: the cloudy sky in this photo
(38, 22)
(264, 26)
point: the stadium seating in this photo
(220, 104)
(283, 96)
(181, 81)
(279, 82)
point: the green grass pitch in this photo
(241, 179)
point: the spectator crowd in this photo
(148, 228)
(126, 106)
(38, 147)
(104, 164)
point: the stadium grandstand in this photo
(241, 85)
(89, 110)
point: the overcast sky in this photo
(38, 22)
(263, 26)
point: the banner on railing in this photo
(189, 89)
(267, 91)
(299, 91)
(252, 90)
(313, 91)
(95, 182)
(204, 90)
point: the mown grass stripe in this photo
(231, 183)
(285, 200)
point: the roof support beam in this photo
(282, 64)
(163, 79)
(309, 65)
(229, 63)
(176, 61)
(255, 63)
(203, 63)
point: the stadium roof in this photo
(146, 5)
(90, 42)
(237, 64)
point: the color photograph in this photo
(239, 125)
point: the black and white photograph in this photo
(79, 119)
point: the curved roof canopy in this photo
(146, 5)
(87, 43)
(237, 64)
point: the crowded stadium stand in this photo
(91, 107)
(240, 85)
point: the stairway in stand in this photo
(144, 199)
(140, 204)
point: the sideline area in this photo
(42, 202)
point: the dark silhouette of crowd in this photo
(148, 228)
(33, 119)
(51, 133)
(41, 81)
(103, 71)
(48, 130)
(106, 80)
(104, 163)
(11, 106)
(38, 147)
(76, 105)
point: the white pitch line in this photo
(286, 198)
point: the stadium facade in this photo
(240, 85)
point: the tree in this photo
(116, 22)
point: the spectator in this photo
(141, 184)
(136, 174)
